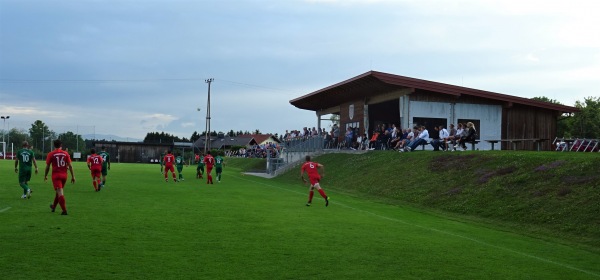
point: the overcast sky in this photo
(131, 67)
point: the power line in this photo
(97, 80)
(146, 80)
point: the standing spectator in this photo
(61, 162)
(209, 161)
(94, 164)
(169, 160)
(23, 161)
(336, 134)
(311, 168)
(179, 164)
(349, 136)
(105, 165)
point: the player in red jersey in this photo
(169, 161)
(94, 163)
(209, 161)
(312, 169)
(60, 161)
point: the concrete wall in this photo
(490, 117)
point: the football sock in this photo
(25, 187)
(95, 183)
(323, 193)
(104, 182)
(61, 201)
(310, 196)
(55, 201)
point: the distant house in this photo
(380, 98)
(224, 142)
(262, 139)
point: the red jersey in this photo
(169, 159)
(95, 162)
(59, 160)
(209, 160)
(311, 169)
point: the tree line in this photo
(583, 124)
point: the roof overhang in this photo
(375, 83)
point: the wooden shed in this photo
(375, 97)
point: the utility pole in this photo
(207, 132)
(4, 118)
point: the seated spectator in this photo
(460, 132)
(396, 136)
(435, 138)
(471, 135)
(382, 140)
(415, 132)
(373, 141)
(450, 137)
(440, 142)
(397, 145)
(421, 139)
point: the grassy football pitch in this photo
(246, 227)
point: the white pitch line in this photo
(443, 232)
(5, 209)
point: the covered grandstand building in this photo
(375, 98)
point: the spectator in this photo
(422, 138)
(451, 135)
(435, 138)
(336, 134)
(349, 136)
(460, 132)
(471, 135)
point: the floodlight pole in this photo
(206, 133)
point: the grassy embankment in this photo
(546, 194)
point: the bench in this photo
(515, 142)
(473, 143)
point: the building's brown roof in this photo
(259, 138)
(373, 82)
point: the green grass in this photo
(140, 227)
(545, 194)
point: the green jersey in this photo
(25, 157)
(179, 161)
(201, 162)
(218, 162)
(105, 159)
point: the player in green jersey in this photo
(25, 158)
(218, 167)
(162, 162)
(200, 167)
(179, 165)
(105, 165)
